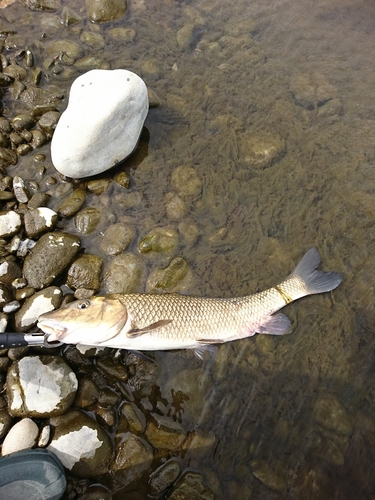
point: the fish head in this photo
(89, 321)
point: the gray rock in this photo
(116, 239)
(22, 436)
(85, 272)
(124, 274)
(133, 457)
(41, 302)
(100, 11)
(81, 444)
(39, 221)
(191, 487)
(20, 190)
(51, 255)
(100, 100)
(48, 122)
(10, 224)
(164, 477)
(40, 386)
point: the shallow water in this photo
(301, 73)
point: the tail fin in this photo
(315, 281)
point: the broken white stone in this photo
(102, 123)
(72, 447)
(10, 223)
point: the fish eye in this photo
(83, 304)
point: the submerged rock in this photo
(100, 100)
(100, 11)
(190, 486)
(124, 274)
(133, 457)
(164, 476)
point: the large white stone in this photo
(21, 436)
(102, 123)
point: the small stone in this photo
(41, 302)
(8, 157)
(22, 121)
(261, 151)
(99, 11)
(73, 203)
(40, 386)
(39, 138)
(133, 457)
(186, 181)
(85, 272)
(15, 72)
(168, 277)
(175, 206)
(331, 414)
(190, 486)
(116, 239)
(42, 5)
(87, 220)
(165, 433)
(93, 40)
(71, 51)
(51, 255)
(134, 418)
(22, 436)
(48, 122)
(164, 477)
(100, 100)
(10, 224)
(9, 271)
(87, 394)
(5, 295)
(124, 274)
(264, 472)
(20, 190)
(44, 436)
(39, 221)
(125, 35)
(69, 17)
(92, 62)
(159, 240)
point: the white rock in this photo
(102, 123)
(22, 435)
(10, 223)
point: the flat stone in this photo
(40, 386)
(100, 100)
(133, 457)
(39, 221)
(190, 486)
(100, 11)
(165, 433)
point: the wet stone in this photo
(133, 457)
(39, 303)
(22, 121)
(122, 34)
(5, 419)
(8, 157)
(38, 200)
(331, 414)
(69, 17)
(48, 122)
(93, 40)
(71, 50)
(73, 203)
(100, 11)
(165, 433)
(20, 190)
(85, 272)
(311, 90)
(42, 5)
(9, 271)
(15, 72)
(51, 255)
(264, 472)
(261, 151)
(159, 240)
(53, 393)
(10, 224)
(169, 277)
(92, 62)
(124, 274)
(116, 239)
(164, 477)
(6, 295)
(190, 486)
(175, 206)
(22, 436)
(81, 444)
(39, 138)
(113, 368)
(39, 221)
(133, 417)
(87, 220)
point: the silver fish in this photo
(146, 322)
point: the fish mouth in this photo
(52, 329)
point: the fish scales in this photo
(173, 321)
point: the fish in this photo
(151, 322)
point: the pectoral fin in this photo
(136, 332)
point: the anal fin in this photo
(275, 325)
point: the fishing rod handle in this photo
(10, 340)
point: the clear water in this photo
(301, 72)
